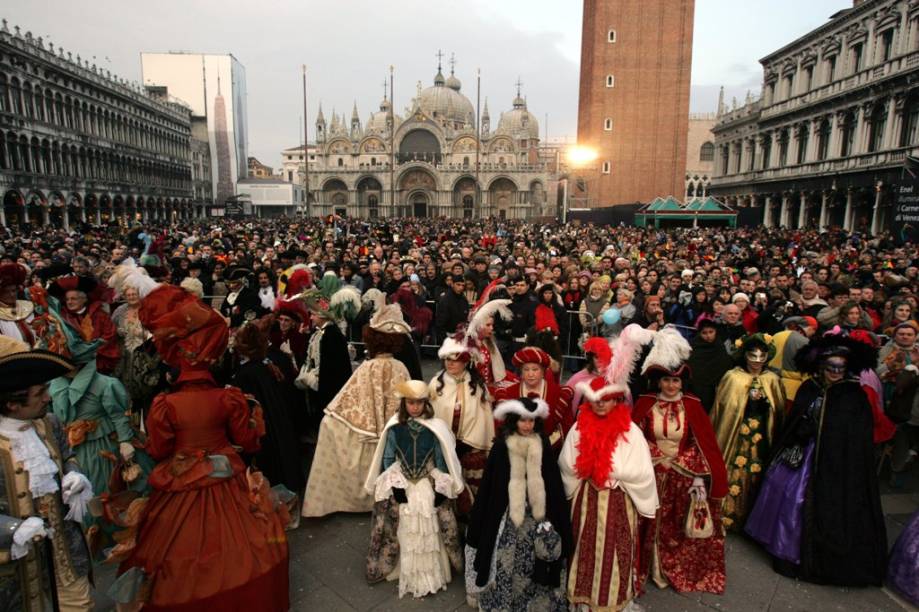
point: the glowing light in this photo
(579, 155)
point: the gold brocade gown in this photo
(746, 416)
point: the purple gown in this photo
(903, 571)
(777, 517)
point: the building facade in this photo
(700, 155)
(433, 164)
(213, 87)
(271, 197)
(838, 117)
(79, 144)
(633, 106)
(259, 170)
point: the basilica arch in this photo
(418, 187)
(502, 196)
(464, 196)
(420, 144)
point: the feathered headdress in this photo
(329, 284)
(668, 354)
(600, 349)
(859, 355)
(345, 303)
(374, 297)
(626, 353)
(485, 312)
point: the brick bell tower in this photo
(633, 107)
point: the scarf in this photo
(28, 448)
(598, 439)
(526, 485)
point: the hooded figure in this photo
(819, 510)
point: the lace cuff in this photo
(443, 483)
(391, 478)
(30, 528)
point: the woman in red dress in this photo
(209, 538)
(687, 462)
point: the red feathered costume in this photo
(209, 538)
(683, 447)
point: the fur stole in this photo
(598, 439)
(525, 484)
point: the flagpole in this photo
(392, 144)
(478, 137)
(306, 147)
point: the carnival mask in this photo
(836, 365)
(756, 356)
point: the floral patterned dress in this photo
(745, 467)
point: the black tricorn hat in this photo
(239, 274)
(21, 370)
(859, 356)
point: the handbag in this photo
(699, 518)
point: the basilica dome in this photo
(444, 102)
(379, 120)
(518, 122)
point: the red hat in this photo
(187, 333)
(63, 284)
(12, 274)
(599, 389)
(599, 347)
(545, 319)
(531, 354)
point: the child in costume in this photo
(415, 471)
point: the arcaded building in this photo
(636, 60)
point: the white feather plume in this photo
(669, 351)
(374, 296)
(345, 303)
(487, 311)
(128, 275)
(626, 352)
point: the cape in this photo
(447, 447)
(491, 504)
(366, 402)
(731, 400)
(844, 540)
(702, 435)
(477, 425)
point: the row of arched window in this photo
(69, 112)
(22, 154)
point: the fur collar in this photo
(526, 484)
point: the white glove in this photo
(76, 491)
(698, 485)
(126, 449)
(285, 348)
(31, 528)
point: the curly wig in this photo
(378, 342)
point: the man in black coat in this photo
(524, 308)
(242, 303)
(328, 363)
(452, 308)
(708, 363)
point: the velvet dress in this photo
(208, 538)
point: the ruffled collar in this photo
(28, 449)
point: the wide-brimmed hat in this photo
(12, 274)
(389, 320)
(859, 355)
(412, 389)
(20, 368)
(63, 284)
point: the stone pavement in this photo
(327, 572)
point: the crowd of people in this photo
(609, 403)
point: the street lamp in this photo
(580, 157)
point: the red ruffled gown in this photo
(683, 447)
(207, 540)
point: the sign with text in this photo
(905, 223)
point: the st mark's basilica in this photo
(434, 169)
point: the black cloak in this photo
(709, 363)
(279, 455)
(844, 540)
(491, 504)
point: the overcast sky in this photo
(348, 46)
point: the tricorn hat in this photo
(21, 368)
(526, 407)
